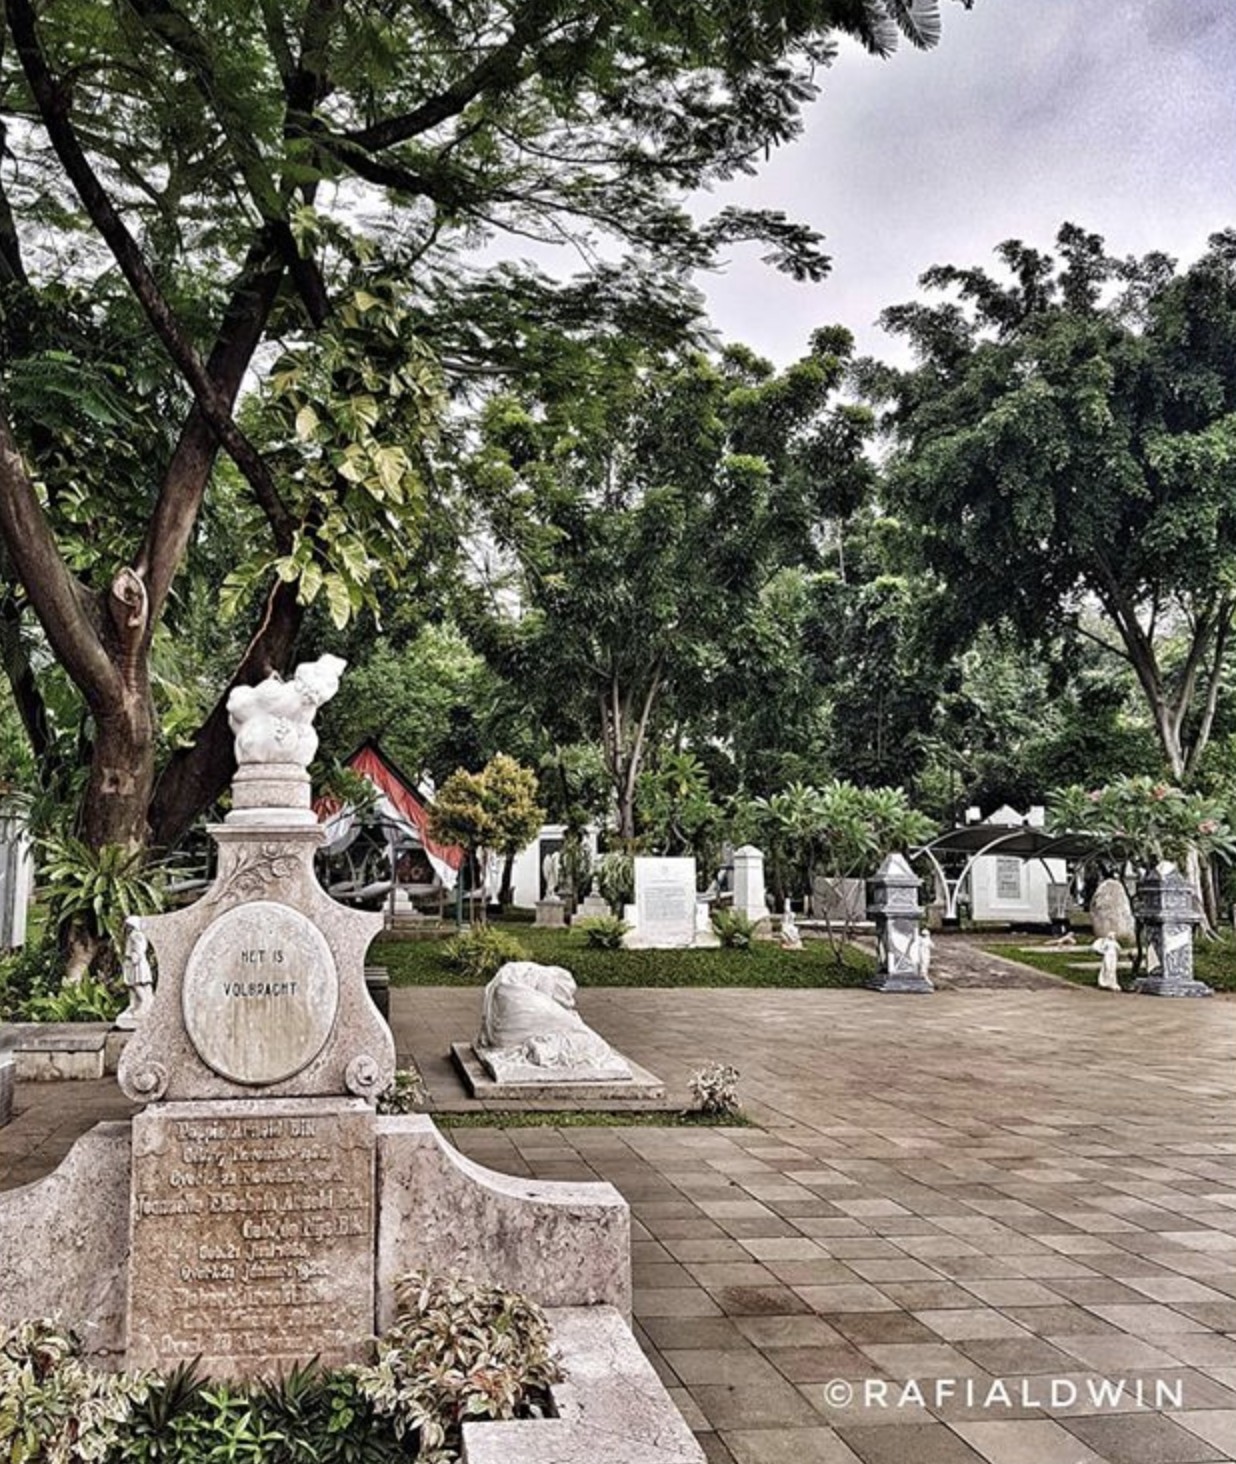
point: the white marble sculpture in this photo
(791, 939)
(1109, 948)
(273, 721)
(135, 965)
(531, 1032)
(923, 952)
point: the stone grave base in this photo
(48, 1052)
(1161, 986)
(641, 1089)
(611, 1405)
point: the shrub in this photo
(615, 876)
(715, 1089)
(406, 1093)
(478, 954)
(459, 1350)
(735, 930)
(33, 971)
(54, 1407)
(603, 932)
(86, 1000)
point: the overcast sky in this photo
(1119, 116)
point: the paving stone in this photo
(1142, 1438)
(779, 1445)
(922, 1443)
(1025, 1441)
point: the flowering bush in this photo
(1141, 821)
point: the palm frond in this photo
(918, 21)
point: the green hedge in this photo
(424, 963)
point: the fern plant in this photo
(98, 887)
(603, 932)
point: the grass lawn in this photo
(1214, 961)
(413, 962)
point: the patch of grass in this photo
(1214, 961)
(423, 963)
(587, 1118)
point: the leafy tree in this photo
(653, 514)
(838, 830)
(1143, 822)
(198, 175)
(493, 812)
(1066, 447)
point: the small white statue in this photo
(922, 953)
(791, 939)
(529, 1022)
(135, 965)
(273, 721)
(1109, 948)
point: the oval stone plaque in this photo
(260, 993)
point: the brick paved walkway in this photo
(1019, 1185)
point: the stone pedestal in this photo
(551, 913)
(593, 906)
(750, 896)
(894, 906)
(1167, 910)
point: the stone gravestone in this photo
(252, 1218)
(1111, 912)
(750, 897)
(664, 903)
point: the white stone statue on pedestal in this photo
(531, 1032)
(923, 952)
(791, 939)
(273, 721)
(137, 975)
(1109, 948)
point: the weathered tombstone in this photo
(839, 901)
(1111, 912)
(895, 908)
(664, 903)
(16, 879)
(1167, 909)
(750, 897)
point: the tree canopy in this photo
(1067, 448)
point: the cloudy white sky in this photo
(1119, 116)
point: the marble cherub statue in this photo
(273, 721)
(139, 980)
(791, 938)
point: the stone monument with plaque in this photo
(258, 1211)
(664, 904)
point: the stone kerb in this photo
(562, 1244)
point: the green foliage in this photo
(476, 955)
(1143, 822)
(86, 1000)
(675, 809)
(101, 887)
(31, 972)
(406, 1093)
(425, 963)
(603, 932)
(459, 1350)
(55, 1408)
(735, 930)
(840, 830)
(494, 810)
(1064, 452)
(715, 1090)
(615, 875)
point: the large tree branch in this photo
(60, 602)
(1202, 735)
(53, 104)
(188, 472)
(499, 71)
(27, 697)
